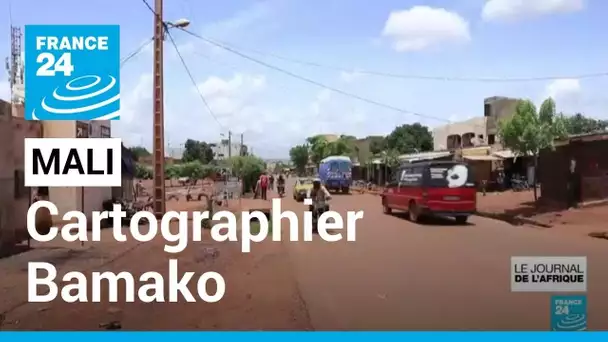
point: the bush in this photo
(248, 169)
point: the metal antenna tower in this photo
(14, 66)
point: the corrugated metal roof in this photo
(413, 157)
(424, 156)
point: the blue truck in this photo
(335, 173)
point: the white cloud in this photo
(564, 89)
(228, 97)
(511, 10)
(349, 77)
(136, 104)
(421, 27)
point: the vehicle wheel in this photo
(386, 208)
(345, 190)
(414, 212)
(461, 219)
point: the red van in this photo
(440, 188)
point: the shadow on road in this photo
(14, 250)
(433, 220)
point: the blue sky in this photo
(444, 38)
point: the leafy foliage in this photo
(139, 152)
(197, 150)
(248, 168)
(143, 172)
(299, 157)
(320, 148)
(528, 131)
(580, 124)
(377, 144)
(410, 138)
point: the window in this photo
(105, 132)
(411, 176)
(491, 139)
(487, 109)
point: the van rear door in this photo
(450, 187)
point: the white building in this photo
(222, 150)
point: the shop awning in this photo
(485, 158)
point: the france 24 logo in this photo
(92, 162)
(73, 72)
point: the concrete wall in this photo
(76, 198)
(498, 108)
(221, 150)
(14, 197)
(455, 135)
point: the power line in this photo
(414, 76)
(308, 80)
(200, 94)
(135, 52)
(181, 58)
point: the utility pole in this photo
(229, 144)
(159, 124)
(241, 149)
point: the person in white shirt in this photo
(319, 195)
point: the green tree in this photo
(248, 169)
(299, 157)
(580, 124)
(377, 144)
(139, 152)
(142, 172)
(172, 171)
(193, 170)
(340, 147)
(197, 150)
(410, 138)
(528, 131)
(318, 148)
(391, 160)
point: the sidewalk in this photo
(251, 301)
(519, 208)
(65, 256)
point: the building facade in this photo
(223, 150)
(468, 133)
(85, 199)
(495, 109)
(15, 199)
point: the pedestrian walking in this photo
(264, 185)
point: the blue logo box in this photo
(73, 72)
(569, 313)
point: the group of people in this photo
(266, 182)
(318, 192)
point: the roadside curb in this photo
(514, 220)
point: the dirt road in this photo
(400, 275)
(397, 275)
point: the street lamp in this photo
(179, 23)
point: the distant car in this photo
(301, 188)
